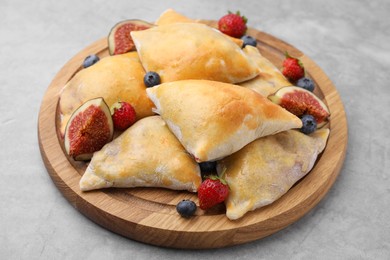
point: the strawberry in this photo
(123, 115)
(212, 191)
(233, 25)
(293, 68)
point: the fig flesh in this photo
(119, 38)
(299, 102)
(90, 127)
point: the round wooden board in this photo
(149, 214)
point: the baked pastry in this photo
(182, 51)
(171, 16)
(114, 78)
(267, 168)
(269, 80)
(214, 119)
(146, 155)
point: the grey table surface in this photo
(349, 40)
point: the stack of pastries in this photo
(211, 105)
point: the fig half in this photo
(299, 102)
(119, 38)
(90, 127)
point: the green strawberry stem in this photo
(239, 14)
(221, 176)
(289, 56)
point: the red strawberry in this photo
(212, 191)
(123, 115)
(233, 25)
(293, 68)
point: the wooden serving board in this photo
(149, 214)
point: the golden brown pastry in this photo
(171, 16)
(146, 155)
(267, 168)
(214, 119)
(269, 80)
(192, 51)
(115, 78)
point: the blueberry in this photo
(151, 79)
(90, 60)
(306, 83)
(309, 124)
(186, 208)
(207, 167)
(248, 40)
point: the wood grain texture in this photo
(149, 214)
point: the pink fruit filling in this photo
(300, 103)
(123, 40)
(89, 131)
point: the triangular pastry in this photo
(214, 119)
(181, 51)
(171, 16)
(267, 168)
(269, 80)
(146, 155)
(114, 78)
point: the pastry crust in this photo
(182, 51)
(213, 119)
(146, 155)
(269, 80)
(267, 168)
(171, 16)
(114, 78)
